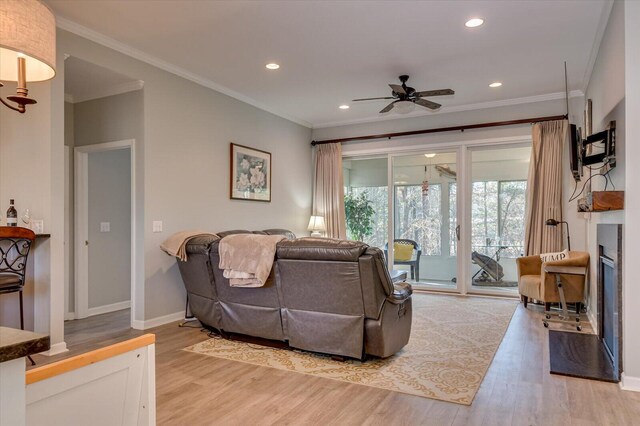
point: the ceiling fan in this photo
(404, 93)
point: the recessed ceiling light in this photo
(344, 107)
(474, 22)
(495, 84)
(430, 155)
(273, 66)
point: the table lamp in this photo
(316, 226)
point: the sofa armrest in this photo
(529, 265)
(201, 245)
(401, 292)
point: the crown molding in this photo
(458, 108)
(99, 38)
(118, 89)
(597, 41)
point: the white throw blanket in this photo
(247, 259)
(176, 245)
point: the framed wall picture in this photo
(250, 174)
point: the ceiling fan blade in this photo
(397, 88)
(372, 99)
(427, 104)
(439, 92)
(388, 107)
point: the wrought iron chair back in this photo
(15, 245)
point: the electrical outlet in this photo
(105, 226)
(157, 226)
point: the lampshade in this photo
(316, 223)
(27, 29)
(404, 107)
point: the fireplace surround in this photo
(609, 287)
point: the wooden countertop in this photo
(16, 343)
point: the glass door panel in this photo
(498, 198)
(424, 202)
(365, 182)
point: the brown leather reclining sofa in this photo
(323, 295)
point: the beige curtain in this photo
(328, 193)
(544, 187)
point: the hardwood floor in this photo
(194, 389)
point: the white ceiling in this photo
(332, 52)
(84, 81)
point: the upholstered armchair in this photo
(535, 283)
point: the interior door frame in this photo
(463, 150)
(81, 223)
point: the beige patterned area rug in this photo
(453, 340)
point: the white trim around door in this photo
(81, 254)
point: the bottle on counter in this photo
(12, 215)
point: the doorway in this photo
(104, 227)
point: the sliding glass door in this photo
(453, 220)
(425, 218)
(497, 208)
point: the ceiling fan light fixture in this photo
(272, 66)
(404, 107)
(474, 22)
(344, 107)
(495, 84)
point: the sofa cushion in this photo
(320, 249)
(402, 252)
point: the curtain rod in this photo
(442, 129)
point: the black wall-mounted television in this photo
(600, 147)
(575, 140)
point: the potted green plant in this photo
(359, 214)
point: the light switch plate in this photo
(157, 226)
(105, 226)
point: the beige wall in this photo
(632, 202)
(25, 176)
(185, 163)
(606, 89)
(108, 119)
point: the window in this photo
(378, 195)
(497, 217)
(419, 218)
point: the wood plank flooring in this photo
(194, 389)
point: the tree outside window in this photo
(419, 218)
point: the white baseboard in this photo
(68, 316)
(630, 383)
(98, 310)
(155, 322)
(56, 349)
(592, 319)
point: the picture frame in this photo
(250, 174)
